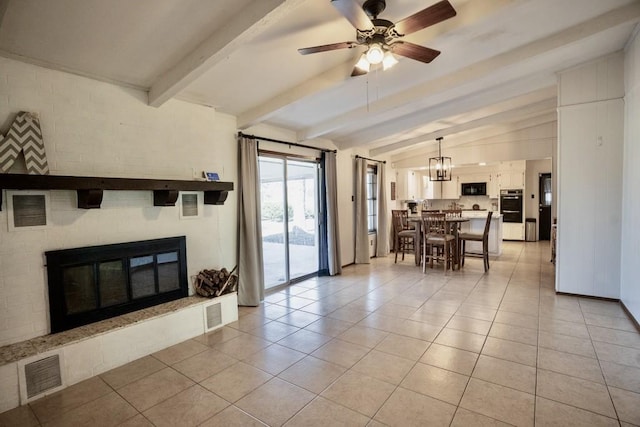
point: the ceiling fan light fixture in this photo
(388, 61)
(375, 54)
(362, 64)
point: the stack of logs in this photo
(213, 283)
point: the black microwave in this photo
(474, 189)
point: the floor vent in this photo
(213, 315)
(42, 375)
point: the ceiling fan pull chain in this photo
(367, 88)
(377, 85)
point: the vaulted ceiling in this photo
(498, 63)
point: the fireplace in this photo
(94, 283)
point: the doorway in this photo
(289, 212)
(545, 195)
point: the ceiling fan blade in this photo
(413, 51)
(327, 47)
(425, 18)
(354, 13)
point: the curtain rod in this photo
(295, 144)
(373, 160)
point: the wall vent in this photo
(190, 204)
(213, 315)
(42, 375)
(27, 209)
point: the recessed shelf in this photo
(90, 189)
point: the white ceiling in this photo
(498, 61)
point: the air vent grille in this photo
(42, 375)
(214, 315)
(189, 205)
(29, 210)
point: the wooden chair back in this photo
(401, 217)
(487, 225)
(434, 223)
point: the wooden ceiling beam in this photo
(241, 29)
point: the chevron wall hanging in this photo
(24, 136)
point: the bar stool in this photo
(475, 237)
(404, 237)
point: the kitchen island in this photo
(477, 220)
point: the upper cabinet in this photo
(512, 175)
(451, 189)
(493, 186)
(409, 185)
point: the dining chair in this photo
(477, 237)
(404, 237)
(437, 243)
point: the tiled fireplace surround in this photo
(98, 347)
(92, 349)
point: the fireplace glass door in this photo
(98, 282)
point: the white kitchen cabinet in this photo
(493, 187)
(408, 185)
(513, 231)
(511, 179)
(511, 175)
(431, 189)
(451, 189)
(413, 189)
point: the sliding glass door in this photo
(289, 211)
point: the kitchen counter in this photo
(480, 214)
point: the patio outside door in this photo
(289, 211)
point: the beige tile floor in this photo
(383, 344)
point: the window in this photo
(372, 197)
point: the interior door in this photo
(544, 232)
(289, 212)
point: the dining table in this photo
(453, 225)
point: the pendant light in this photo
(439, 167)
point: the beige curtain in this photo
(333, 229)
(362, 228)
(382, 247)
(250, 274)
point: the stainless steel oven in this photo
(511, 205)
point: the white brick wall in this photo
(97, 129)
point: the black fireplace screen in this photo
(98, 282)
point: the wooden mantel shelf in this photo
(90, 189)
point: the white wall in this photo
(92, 128)
(629, 278)
(590, 142)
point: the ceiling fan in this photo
(381, 37)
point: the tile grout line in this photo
(483, 344)
(604, 377)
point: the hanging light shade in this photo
(439, 167)
(375, 54)
(363, 65)
(388, 61)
